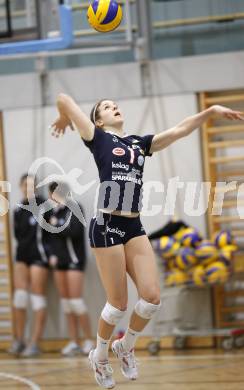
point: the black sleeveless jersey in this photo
(30, 237)
(120, 162)
(69, 244)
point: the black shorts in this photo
(29, 262)
(107, 230)
(64, 265)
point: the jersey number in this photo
(132, 155)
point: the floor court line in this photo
(21, 379)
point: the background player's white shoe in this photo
(127, 360)
(16, 347)
(87, 346)
(31, 351)
(102, 371)
(71, 349)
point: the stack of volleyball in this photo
(188, 258)
(178, 255)
(104, 15)
(215, 258)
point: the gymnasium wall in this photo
(174, 84)
(171, 76)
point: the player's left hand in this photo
(60, 125)
(228, 113)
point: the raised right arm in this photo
(70, 112)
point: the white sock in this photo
(101, 351)
(129, 339)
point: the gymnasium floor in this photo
(193, 370)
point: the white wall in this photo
(200, 73)
(120, 81)
(20, 91)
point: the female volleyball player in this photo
(68, 259)
(116, 234)
(30, 273)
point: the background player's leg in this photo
(38, 276)
(21, 286)
(75, 282)
(61, 282)
(21, 281)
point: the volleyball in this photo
(176, 277)
(226, 254)
(166, 247)
(190, 237)
(223, 238)
(104, 15)
(199, 275)
(217, 272)
(185, 258)
(206, 252)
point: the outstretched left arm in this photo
(186, 127)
